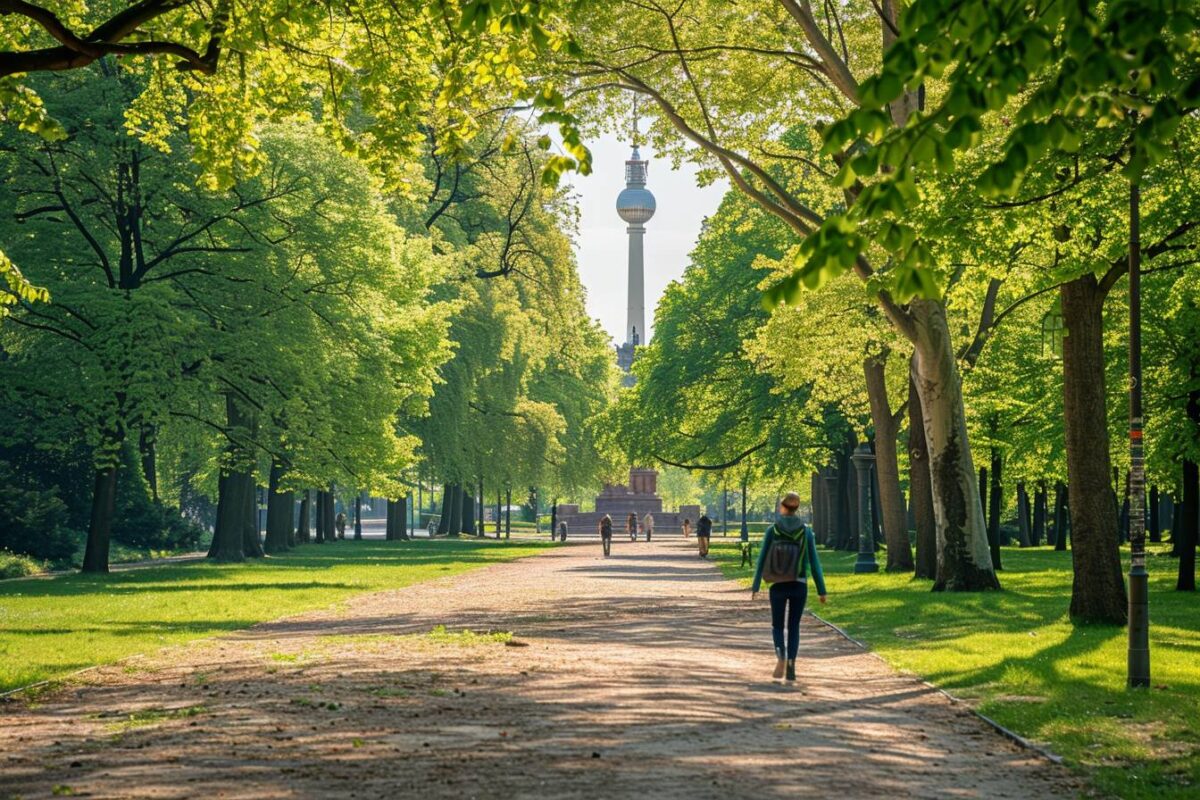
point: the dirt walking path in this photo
(646, 675)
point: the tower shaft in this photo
(635, 319)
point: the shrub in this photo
(33, 520)
(13, 565)
(143, 522)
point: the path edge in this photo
(1007, 733)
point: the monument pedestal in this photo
(639, 496)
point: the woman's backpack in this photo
(781, 563)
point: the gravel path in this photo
(645, 675)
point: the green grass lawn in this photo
(50, 627)
(1017, 658)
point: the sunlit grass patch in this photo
(52, 627)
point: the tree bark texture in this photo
(1023, 526)
(227, 544)
(303, 525)
(279, 512)
(1098, 587)
(996, 499)
(1189, 525)
(1061, 517)
(893, 516)
(1039, 515)
(358, 516)
(964, 561)
(104, 499)
(251, 541)
(920, 488)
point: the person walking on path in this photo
(648, 525)
(687, 527)
(787, 549)
(703, 531)
(631, 525)
(606, 534)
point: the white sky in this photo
(602, 246)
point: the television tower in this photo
(635, 205)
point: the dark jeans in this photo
(789, 596)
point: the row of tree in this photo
(307, 326)
(965, 234)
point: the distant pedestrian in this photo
(340, 523)
(703, 531)
(562, 531)
(631, 525)
(648, 525)
(687, 527)
(787, 549)
(606, 534)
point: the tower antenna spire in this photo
(636, 135)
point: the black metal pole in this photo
(1139, 612)
(745, 533)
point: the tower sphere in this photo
(635, 205)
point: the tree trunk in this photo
(1039, 515)
(358, 517)
(892, 513)
(331, 531)
(402, 519)
(227, 544)
(1176, 530)
(1098, 588)
(995, 506)
(303, 525)
(964, 561)
(507, 511)
(1189, 525)
(454, 508)
(444, 520)
(104, 498)
(468, 513)
(148, 452)
(997, 500)
(251, 541)
(920, 488)
(279, 512)
(983, 498)
(1022, 515)
(1060, 516)
(322, 534)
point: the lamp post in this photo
(1139, 616)
(863, 460)
(745, 532)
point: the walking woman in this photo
(648, 525)
(606, 534)
(687, 527)
(703, 531)
(631, 526)
(788, 548)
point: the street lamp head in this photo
(863, 457)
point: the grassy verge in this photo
(1016, 657)
(50, 627)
